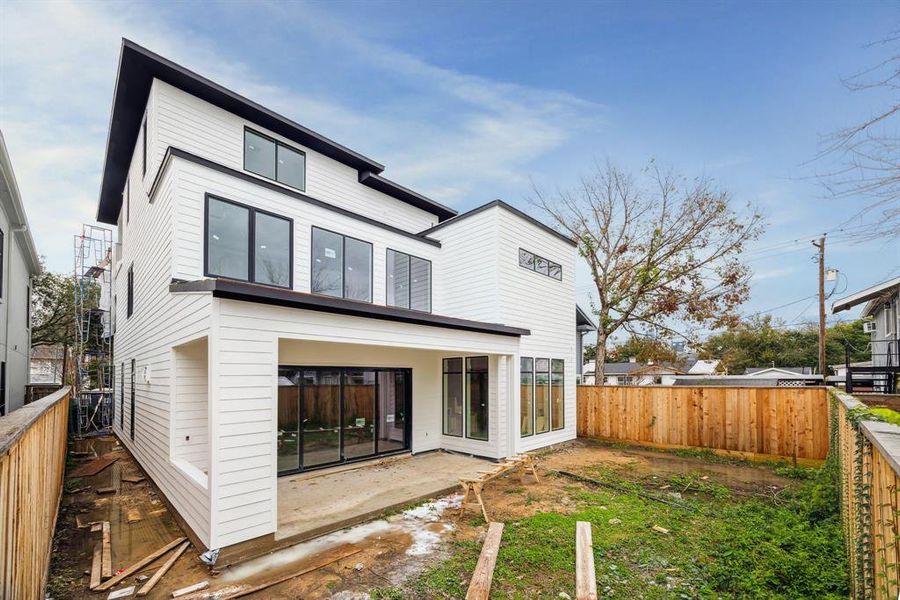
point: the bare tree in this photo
(869, 151)
(668, 251)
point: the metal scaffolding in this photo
(92, 352)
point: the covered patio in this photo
(315, 503)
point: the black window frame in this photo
(144, 148)
(28, 307)
(562, 373)
(127, 200)
(130, 301)
(122, 399)
(251, 242)
(409, 284)
(487, 400)
(462, 383)
(131, 418)
(532, 264)
(344, 238)
(277, 144)
(550, 385)
(530, 371)
(2, 388)
(2, 259)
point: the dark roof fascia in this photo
(138, 67)
(250, 292)
(386, 186)
(508, 207)
(172, 152)
(582, 319)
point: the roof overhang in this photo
(261, 294)
(512, 209)
(583, 321)
(11, 199)
(138, 67)
(865, 295)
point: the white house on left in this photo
(19, 263)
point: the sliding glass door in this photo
(332, 415)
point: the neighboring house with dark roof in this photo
(281, 306)
(19, 263)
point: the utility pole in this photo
(821, 246)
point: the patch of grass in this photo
(391, 593)
(785, 548)
(695, 483)
(792, 472)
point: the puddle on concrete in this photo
(418, 530)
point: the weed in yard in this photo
(726, 549)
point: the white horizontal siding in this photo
(160, 321)
(191, 124)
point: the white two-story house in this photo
(280, 306)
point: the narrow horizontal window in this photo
(274, 160)
(533, 262)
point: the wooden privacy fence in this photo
(32, 466)
(774, 421)
(869, 457)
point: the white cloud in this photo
(455, 136)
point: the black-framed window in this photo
(27, 307)
(127, 200)
(408, 281)
(526, 396)
(542, 395)
(274, 160)
(477, 398)
(144, 148)
(341, 266)
(453, 397)
(538, 264)
(131, 417)
(2, 259)
(249, 244)
(557, 394)
(2, 389)
(122, 397)
(130, 300)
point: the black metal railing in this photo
(881, 376)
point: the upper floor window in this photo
(248, 244)
(408, 281)
(144, 148)
(2, 256)
(130, 307)
(533, 262)
(273, 160)
(341, 266)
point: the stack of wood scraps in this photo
(474, 486)
(101, 570)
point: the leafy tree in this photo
(764, 342)
(661, 252)
(53, 310)
(643, 349)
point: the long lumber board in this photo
(585, 575)
(480, 585)
(139, 565)
(163, 570)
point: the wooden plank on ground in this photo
(139, 565)
(106, 559)
(480, 584)
(585, 575)
(133, 479)
(331, 557)
(90, 469)
(163, 570)
(96, 565)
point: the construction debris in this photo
(585, 575)
(106, 490)
(133, 478)
(334, 556)
(480, 584)
(659, 529)
(134, 515)
(522, 462)
(163, 570)
(140, 564)
(96, 566)
(90, 469)
(190, 589)
(123, 593)
(106, 558)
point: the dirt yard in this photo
(429, 551)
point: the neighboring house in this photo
(757, 377)
(881, 309)
(280, 306)
(19, 262)
(583, 324)
(47, 364)
(632, 373)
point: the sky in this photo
(466, 102)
